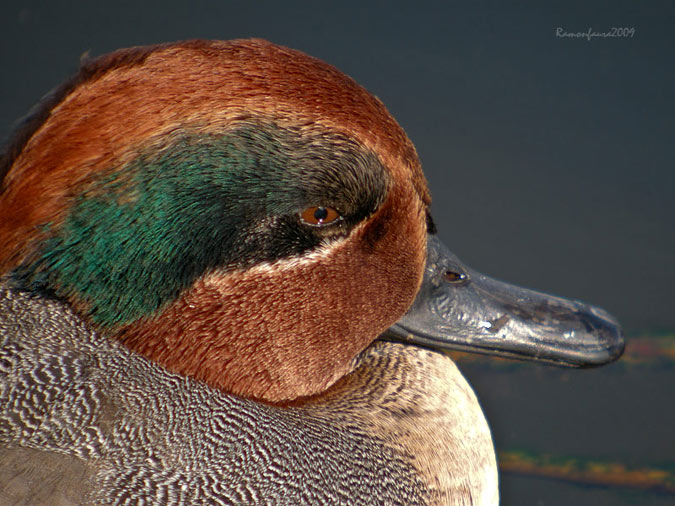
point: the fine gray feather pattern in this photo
(85, 421)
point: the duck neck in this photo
(419, 403)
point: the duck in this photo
(222, 284)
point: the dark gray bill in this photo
(461, 309)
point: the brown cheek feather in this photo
(277, 336)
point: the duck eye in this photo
(455, 277)
(319, 216)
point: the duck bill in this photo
(458, 308)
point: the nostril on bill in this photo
(499, 323)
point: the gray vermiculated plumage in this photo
(85, 421)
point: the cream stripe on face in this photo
(324, 252)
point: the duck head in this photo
(249, 216)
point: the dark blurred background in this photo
(551, 163)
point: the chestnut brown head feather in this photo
(160, 193)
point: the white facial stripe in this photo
(322, 252)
